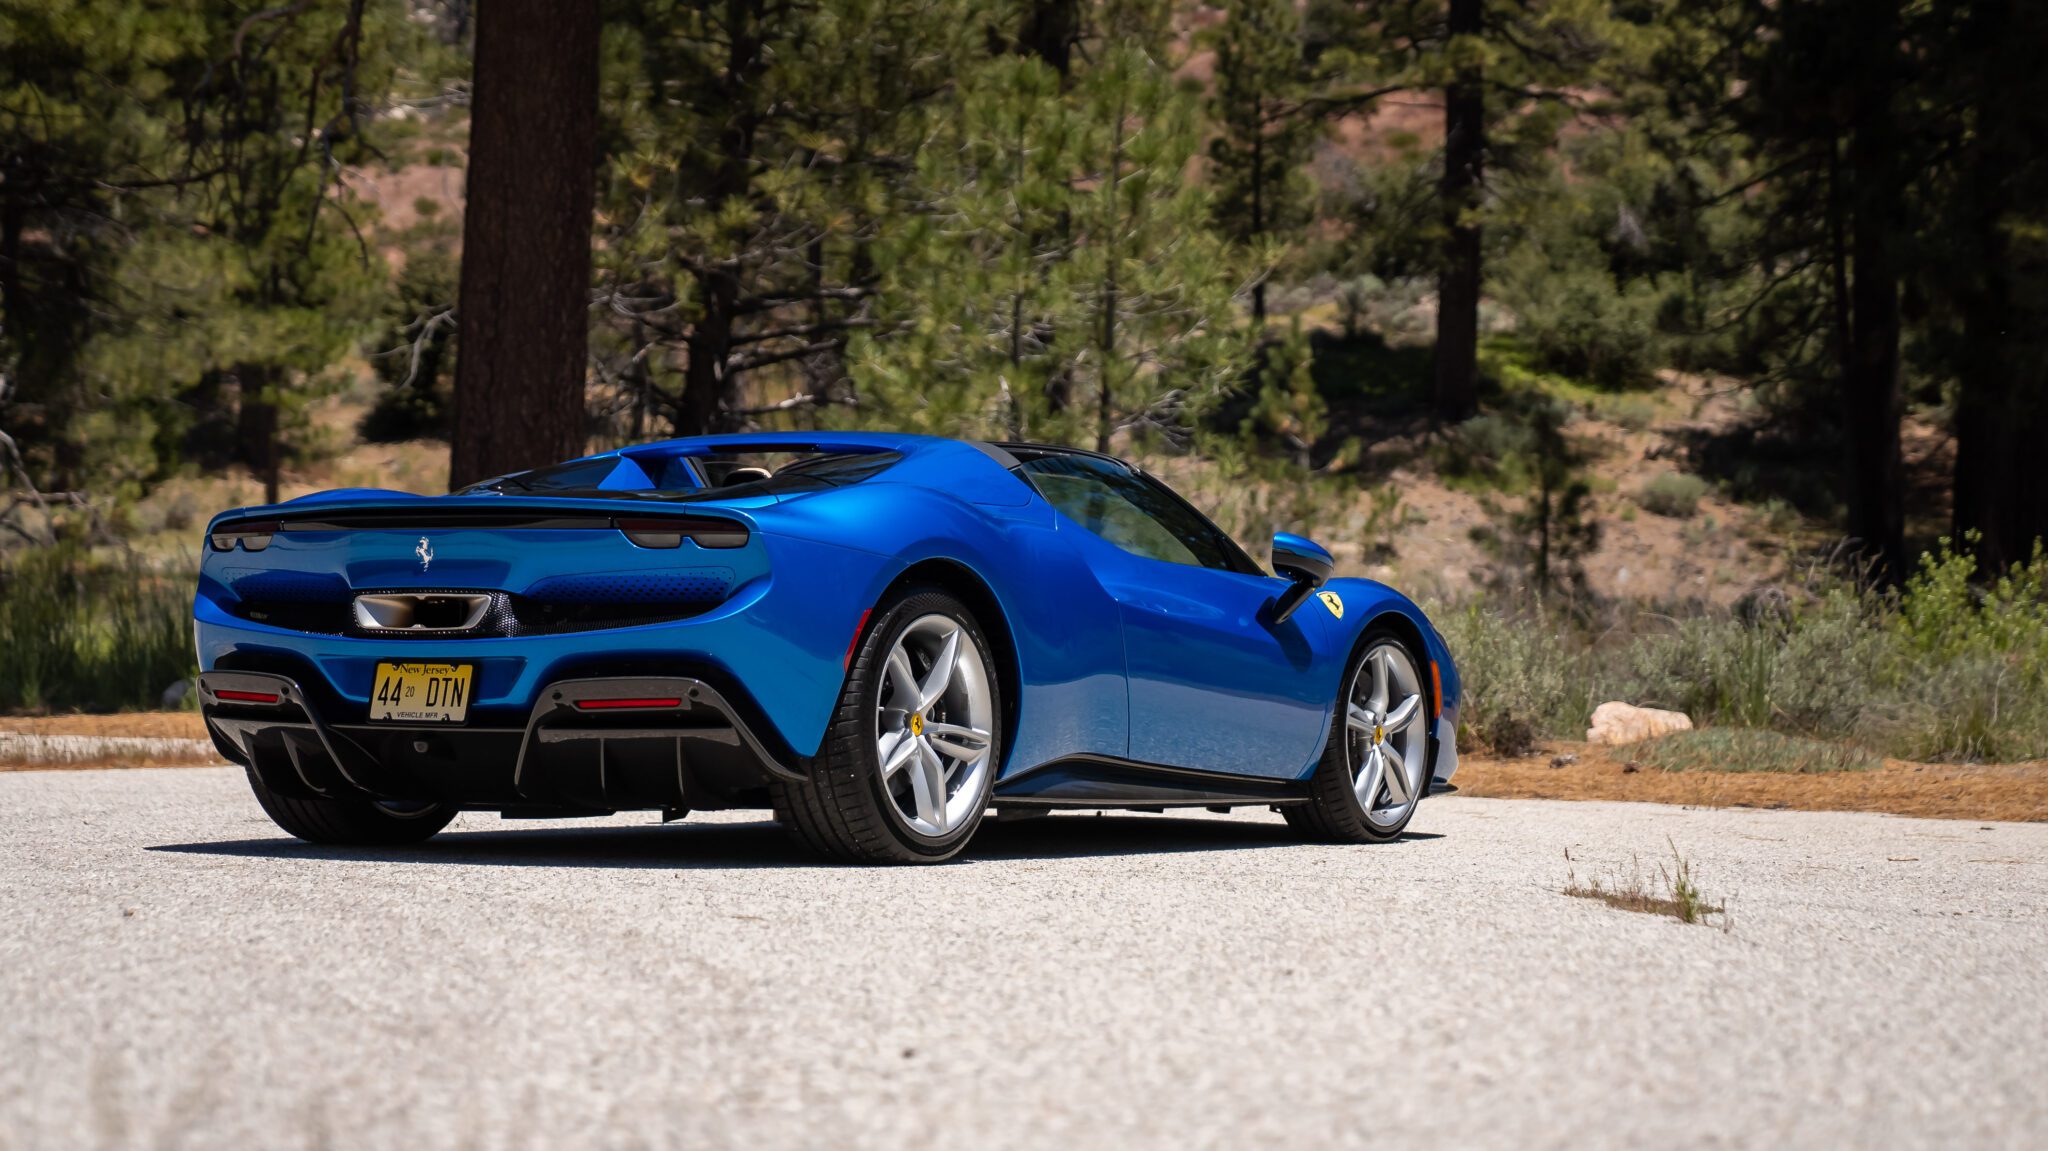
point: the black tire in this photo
(350, 822)
(1333, 813)
(845, 811)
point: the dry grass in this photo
(2017, 792)
(96, 742)
(1674, 892)
(1750, 749)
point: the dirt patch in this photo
(101, 742)
(140, 724)
(1937, 791)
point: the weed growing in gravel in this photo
(1674, 892)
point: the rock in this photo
(1618, 723)
(1565, 760)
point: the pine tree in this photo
(1263, 138)
(183, 165)
(1066, 284)
(1287, 407)
(1511, 73)
(763, 151)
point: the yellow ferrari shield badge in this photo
(1331, 601)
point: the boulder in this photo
(1618, 723)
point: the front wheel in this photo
(352, 822)
(912, 754)
(1375, 767)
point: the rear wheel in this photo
(911, 756)
(1375, 767)
(352, 822)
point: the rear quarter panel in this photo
(1065, 638)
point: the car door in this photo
(1213, 684)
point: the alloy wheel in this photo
(1385, 733)
(932, 726)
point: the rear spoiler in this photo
(648, 527)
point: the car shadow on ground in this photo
(684, 846)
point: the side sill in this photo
(1106, 782)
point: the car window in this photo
(1131, 511)
(660, 475)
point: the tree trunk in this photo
(1259, 223)
(526, 239)
(13, 221)
(708, 385)
(1458, 280)
(1997, 493)
(1985, 494)
(256, 425)
(1870, 395)
(1104, 408)
(1050, 29)
(705, 408)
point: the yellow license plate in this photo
(421, 692)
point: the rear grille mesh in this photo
(324, 605)
(689, 586)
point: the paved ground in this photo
(174, 972)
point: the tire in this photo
(350, 822)
(1336, 813)
(857, 808)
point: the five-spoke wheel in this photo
(912, 754)
(1389, 749)
(1376, 766)
(933, 724)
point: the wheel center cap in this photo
(1379, 733)
(916, 724)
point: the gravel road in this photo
(175, 972)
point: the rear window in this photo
(676, 476)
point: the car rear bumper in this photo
(677, 743)
(775, 648)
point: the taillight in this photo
(247, 696)
(671, 532)
(633, 703)
(252, 536)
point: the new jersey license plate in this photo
(421, 692)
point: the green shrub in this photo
(1674, 494)
(1582, 325)
(1749, 749)
(1813, 677)
(1492, 449)
(1943, 671)
(76, 634)
(1525, 677)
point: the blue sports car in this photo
(880, 637)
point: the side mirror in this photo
(1305, 564)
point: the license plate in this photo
(421, 692)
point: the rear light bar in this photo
(247, 696)
(628, 704)
(670, 532)
(646, 532)
(253, 536)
